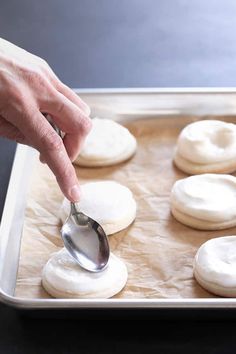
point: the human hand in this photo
(29, 88)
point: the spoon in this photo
(84, 238)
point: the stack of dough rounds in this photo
(207, 146)
(205, 202)
(109, 203)
(63, 278)
(215, 264)
(108, 143)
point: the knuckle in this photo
(60, 107)
(19, 97)
(66, 173)
(35, 77)
(31, 73)
(50, 141)
(85, 124)
(12, 89)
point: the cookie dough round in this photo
(62, 277)
(108, 143)
(109, 203)
(205, 202)
(207, 146)
(215, 264)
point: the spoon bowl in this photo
(85, 240)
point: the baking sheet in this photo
(157, 250)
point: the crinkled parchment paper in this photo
(157, 250)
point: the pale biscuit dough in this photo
(215, 264)
(109, 203)
(207, 146)
(62, 277)
(108, 143)
(205, 202)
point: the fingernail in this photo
(75, 193)
(87, 110)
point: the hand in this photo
(29, 87)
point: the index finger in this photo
(70, 119)
(44, 138)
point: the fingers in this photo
(44, 138)
(73, 97)
(54, 153)
(42, 94)
(28, 86)
(65, 90)
(71, 120)
(67, 114)
(9, 131)
(73, 144)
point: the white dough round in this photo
(109, 203)
(63, 278)
(215, 264)
(107, 143)
(206, 201)
(207, 146)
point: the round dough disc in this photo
(107, 143)
(207, 146)
(215, 264)
(205, 202)
(109, 203)
(63, 278)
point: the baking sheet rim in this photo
(21, 303)
(113, 303)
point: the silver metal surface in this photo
(85, 240)
(116, 104)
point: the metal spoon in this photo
(84, 238)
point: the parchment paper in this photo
(157, 249)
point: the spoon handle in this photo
(74, 210)
(55, 127)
